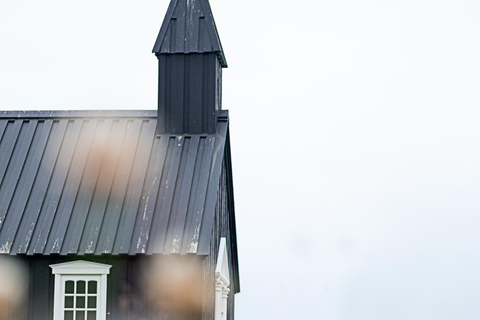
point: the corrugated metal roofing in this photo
(105, 183)
(189, 27)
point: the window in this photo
(222, 282)
(80, 290)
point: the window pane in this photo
(68, 315)
(92, 302)
(68, 302)
(81, 286)
(80, 302)
(91, 315)
(80, 315)
(92, 286)
(69, 286)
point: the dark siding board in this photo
(167, 67)
(116, 282)
(177, 94)
(119, 187)
(135, 190)
(130, 290)
(135, 306)
(187, 99)
(39, 189)
(162, 94)
(147, 205)
(206, 91)
(31, 290)
(42, 283)
(196, 89)
(182, 199)
(51, 201)
(25, 184)
(103, 187)
(209, 92)
(160, 220)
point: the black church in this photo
(125, 215)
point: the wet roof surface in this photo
(105, 183)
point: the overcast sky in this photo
(354, 130)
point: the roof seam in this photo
(40, 209)
(27, 201)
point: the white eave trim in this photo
(222, 270)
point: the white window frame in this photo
(222, 282)
(80, 270)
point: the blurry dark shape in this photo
(175, 287)
(131, 301)
(12, 288)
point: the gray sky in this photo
(354, 128)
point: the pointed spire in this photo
(189, 27)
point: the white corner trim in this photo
(222, 270)
(222, 282)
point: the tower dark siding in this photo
(189, 93)
(190, 60)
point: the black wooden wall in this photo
(224, 226)
(189, 93)
(133, 290)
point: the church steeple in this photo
(190, 59)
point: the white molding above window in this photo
(222, 282)
(80, 290)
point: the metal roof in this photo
(189, 27)
(99, 182)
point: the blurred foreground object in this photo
(12, 288)
(175, 287)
